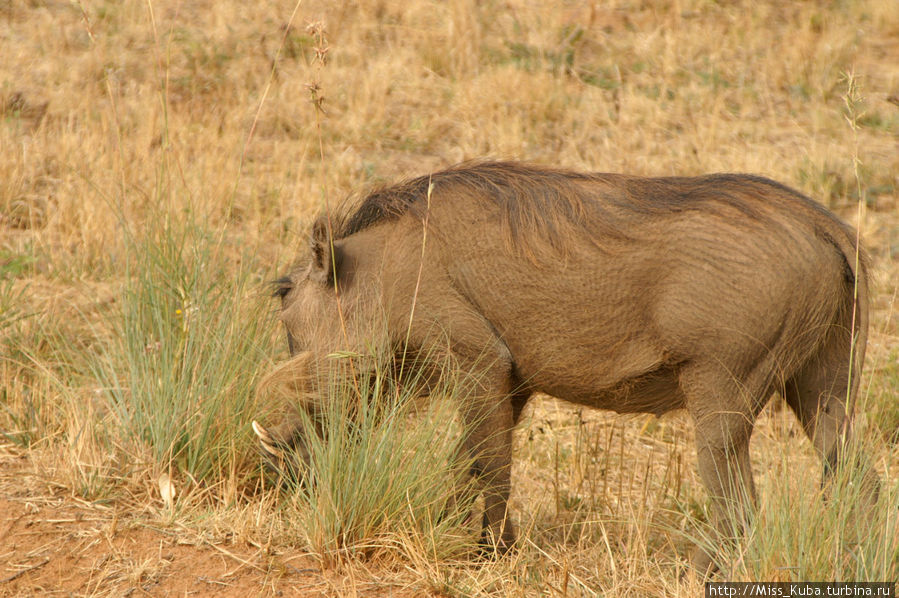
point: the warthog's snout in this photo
(286, 389)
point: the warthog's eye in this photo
(282, 287)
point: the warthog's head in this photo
(328, 304)
(310, 296)
(326, 309)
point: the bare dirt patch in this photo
(54, 544)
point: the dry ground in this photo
(245, 119)
(56, 544)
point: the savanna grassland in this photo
(160, 163)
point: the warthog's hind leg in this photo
(817, 394)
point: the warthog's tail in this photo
(855, 319)
(846, 240)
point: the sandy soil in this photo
(52, 544)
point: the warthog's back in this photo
(602, 286)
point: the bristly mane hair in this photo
(530, 197)
(551, 202)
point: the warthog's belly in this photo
(657, 392)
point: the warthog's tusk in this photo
(261, 432)
(271, 450)
(266, 440)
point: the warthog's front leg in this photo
(491, 402)
(488, 445)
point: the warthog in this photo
(639, 295)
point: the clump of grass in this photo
(805, 531)
(10, 299)
(382, 474)
(177, 374)
(35, 361)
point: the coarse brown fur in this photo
(618, 292)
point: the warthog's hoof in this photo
(491, 547)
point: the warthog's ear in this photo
(326, 256)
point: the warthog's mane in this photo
(531, 198)
(548, 203)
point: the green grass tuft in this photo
(383, 474)
(179, 371)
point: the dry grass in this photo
(120, 121)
